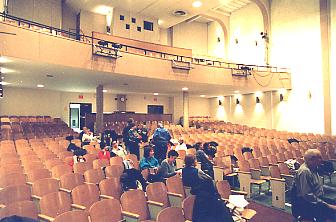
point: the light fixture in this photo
(236, 91)
(257, 99)
(160, 22)
(281, 97)
(220, 102)
(237, 101)
(156, 94)
(104, 90)
(185, 89)
(197, 4)
(4, 59)
(40, 86)
(202, 96)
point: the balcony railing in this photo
(235, 67)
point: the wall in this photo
(138, 103)
(25, 102)
(47, 12)
(119, 27)
(90, 21)
(216, 41)
(199, 106)
(193, 35)
(296, 44)
(333, 67)
(68, 19)
(245, 27)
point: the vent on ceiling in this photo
(180, 13)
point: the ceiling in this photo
(28, 74)
(161, 9)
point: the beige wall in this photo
(296, 43)
(47, 12)
(333, 67)
(90, 21)
(245, 27)
(193, 35)
(216, 48)
(68, 19)
(21, 101)
(119, 27)
(199, 106)
(138, 103)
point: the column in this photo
(185, 109)
(325, 47)
(99, 109)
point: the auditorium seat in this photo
(106, 211)
(116, 160)
(81, 167)
(157, 192)
(70, 180)
(15, 193)
(110, 187)
(174, 185)
(99, 164)
(36, 174)
(83, 196)
(54, 204)
(94, 176)
(25, 208)
(171, 214)
(114, 171)
(187, 206)
(12, 179)
(44, 186)
(73, 216)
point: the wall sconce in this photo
(257, 99)
(220, 102)
(236, 40)
(237, 101)
(218, 39)
(281, 97)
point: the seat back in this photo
(44, 186)
(175, 185)
(116, 160)
(12, 179)
(187, 206)
(59, 170)
(71, 180)
(94, 176)
(111, 187)
(98, 164)
(108, 210)
(157, 192)
(223, 188)
(25, 208)
(275, 172)
(81, 167)
(134, 201)
(135, 160)
(37, 174)
(54, 204)
(12, 194)
(114, 171)
(85, 195)
(73, 216)
(171, 214)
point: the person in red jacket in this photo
(104, 154)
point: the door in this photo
(77, 115)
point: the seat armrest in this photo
(2, 206)
(155, 203)
(244, 172)
(29, 183)
(253, 169)
(65, 190)
(129, 214)
(218, 167)
(45, 217)
(36, 197)
(174, 194)
(278, 179)
(77, 206)
(238, 192)
(105, 196)
(286, 175)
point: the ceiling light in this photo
(197, 4)
(185, 89)
(156, 94)
(4, 83)
(40, 86)
(104, 90)
(4, 70)
(236, 91)
(4, 59)
(202, 96)
(160, 22)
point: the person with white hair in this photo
(310, 192)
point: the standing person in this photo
(309, 190)
(161, 138)
(168, 165)
(125, 132)
(208, 206)
(143, 132)
(134, 141)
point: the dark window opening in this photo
(148, 25)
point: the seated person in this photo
(117, 150)
(206, 164)
(149, 161)
(181, 145)
(168, 165)
(208, 206)
(87, 137)
(131, 177)
(309, 191)
(104, 154)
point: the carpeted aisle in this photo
(268, 214)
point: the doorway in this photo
(77, 115)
